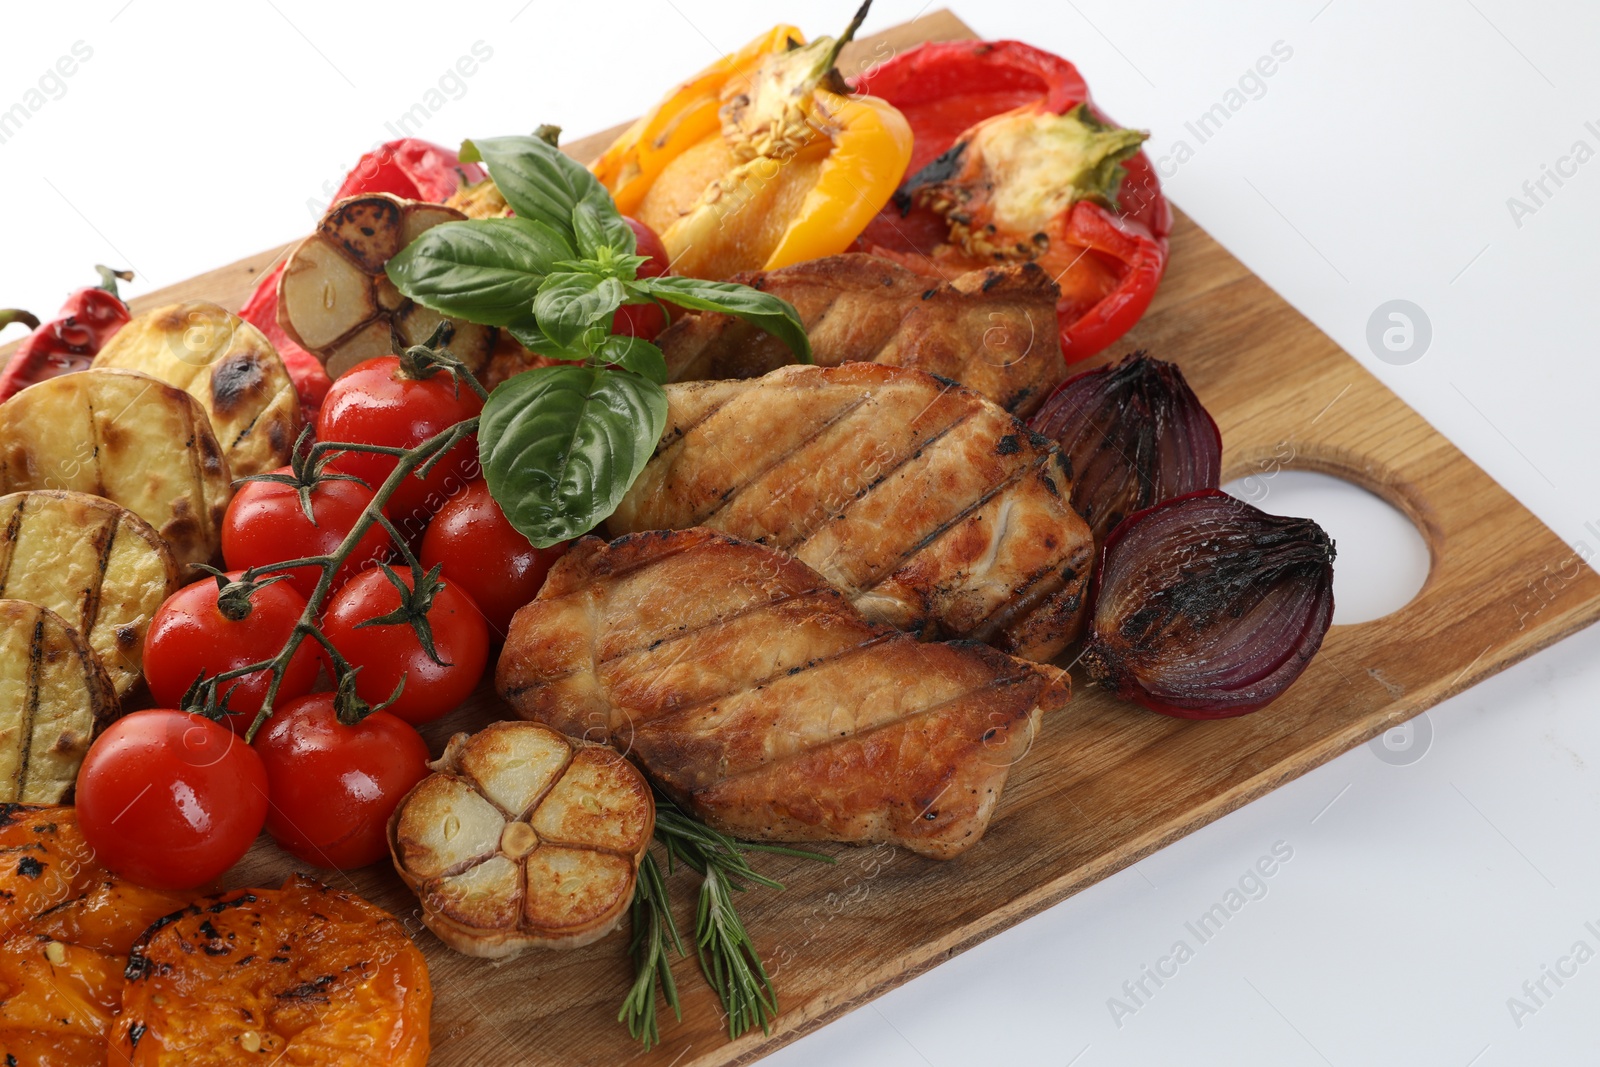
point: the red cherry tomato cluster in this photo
(172, 799)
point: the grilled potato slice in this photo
(99, 566)
(336, 302)
(523, 838)
(125, 436)
(54, 697)
(226, 364)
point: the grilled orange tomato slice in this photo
(65, 925)
(304, 976)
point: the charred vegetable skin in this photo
(302, 974)
(407, 168)
(68, 342)
(1206, 607)
(1109, 245)
(1134, 434)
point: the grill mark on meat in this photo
(772, 606)
(787, 674)
(733, 491)
(930, 538)
(894, 512)
(917, 455)
(928, 712)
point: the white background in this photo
(1377, 164)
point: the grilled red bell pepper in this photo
(408, 167)
(945, 89)
(70, 341)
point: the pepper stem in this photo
(10, 315)
(108, 278)
(830, 72)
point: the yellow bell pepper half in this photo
(869, 158)
(761, 161)
(685, 117)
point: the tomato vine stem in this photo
(419, 459)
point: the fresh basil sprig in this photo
(560, 446)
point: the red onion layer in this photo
(1206, 607)
(1134, 435)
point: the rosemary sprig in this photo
(728, 958)
(653, 924)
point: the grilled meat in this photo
(929, 507)
(992, 330)
(755, 695)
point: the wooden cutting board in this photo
(1106, 783)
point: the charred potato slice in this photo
(299, 975)
(99, 566)
(54, 697)
(136, 441)
(523, 838)
(335, 300)
(227, 365)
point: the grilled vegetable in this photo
(99, 566)
(54, 696)
(790, 167)
(68, 924)
(127, 437)
(1012, 161)
(1134, 435)
(299, 975)
(335, 301)
(1206, 607)
(523, 838)
(228, 366)
(69, 341)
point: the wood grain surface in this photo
(1106, 783)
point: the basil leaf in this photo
(485, 271)
(597, 226)
(635, 354)
(561, 445)
(763, 310)
(537, 179)
(569, 303)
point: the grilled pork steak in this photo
(754, 694)
(928, 506)
(992, 330)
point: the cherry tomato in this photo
(486, 556)
(374, 403)
(264, 524)
(386, 653)
(170, 800)
(643, 320)
(191, 634)
(332, 787)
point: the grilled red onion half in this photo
(1206, 607)
(1134, 434)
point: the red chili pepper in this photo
(416, 170)
(68, 342)
(946, 88)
